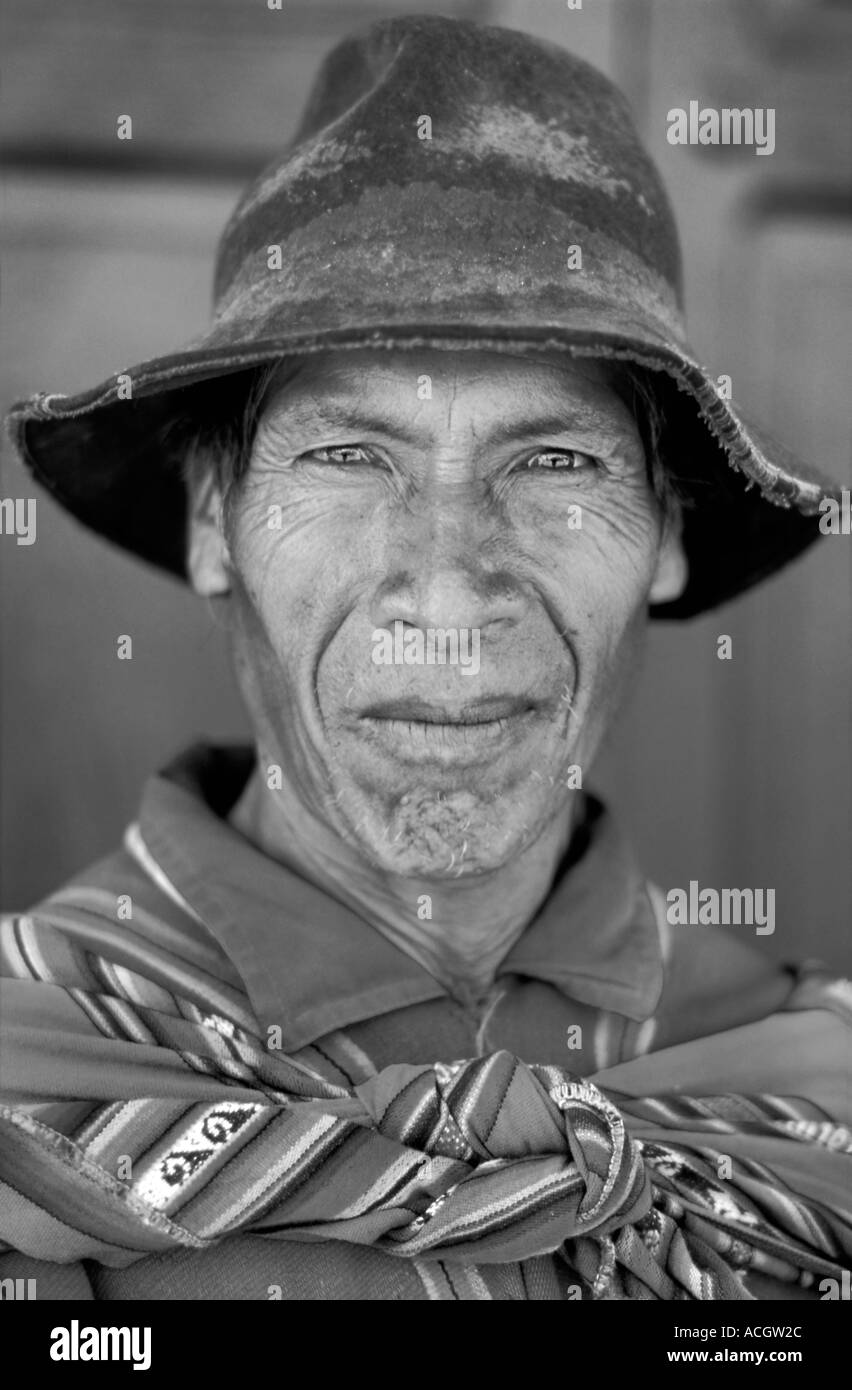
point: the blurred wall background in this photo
(735, 773)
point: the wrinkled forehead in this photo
(471, 378)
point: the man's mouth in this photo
(487, 710)
(421, 730)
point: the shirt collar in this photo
(311, 965)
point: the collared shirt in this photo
(597, 978)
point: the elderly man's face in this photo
(514, 503)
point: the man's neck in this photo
(458, 929)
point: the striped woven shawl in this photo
(142, 1113)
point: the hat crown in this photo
(417, 100)
(532, 218)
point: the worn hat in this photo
(451, 186)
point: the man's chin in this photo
(426, 854)
(431, 833)
(427, 801)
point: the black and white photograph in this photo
(426, 687)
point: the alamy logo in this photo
(731, 125)
(836, 516)
(726, 907)
(18, 518)
(76, 1343)
(431, 646)
(17, 1290)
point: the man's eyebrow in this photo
(560, 421)
(350, 420)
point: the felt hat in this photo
(454, 186)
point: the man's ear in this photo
(208, 560)
(672, 571)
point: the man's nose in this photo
(446, 568)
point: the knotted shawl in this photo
(143, 1113)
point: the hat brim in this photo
(751, 506)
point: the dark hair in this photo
(641, 392)
(218, 431)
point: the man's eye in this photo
(340, 453)
(562, 460)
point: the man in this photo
(382, 1008)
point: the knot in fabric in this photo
(510, 1144)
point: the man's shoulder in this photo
(114, 889)
(114, 910)
(716, 978)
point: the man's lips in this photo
(486, 710)
(447, 734)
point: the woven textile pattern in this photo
(485, 1161)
